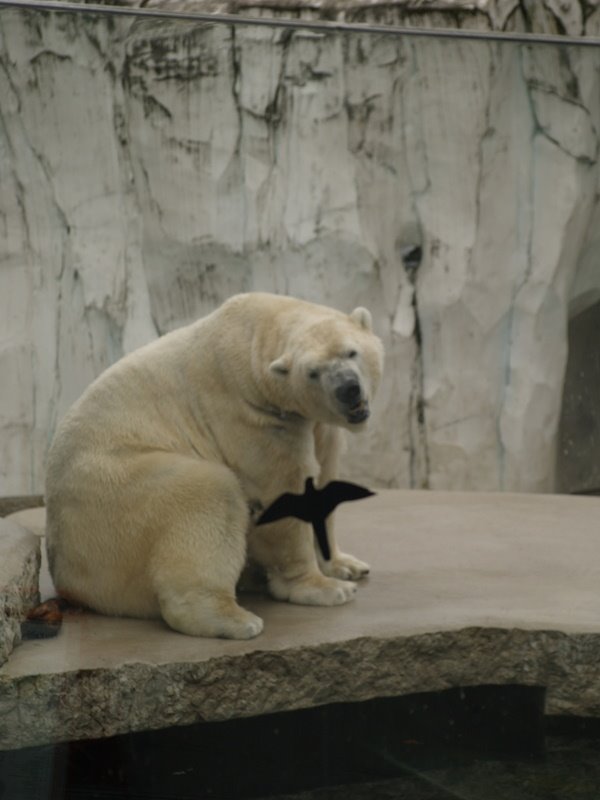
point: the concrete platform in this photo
(465, 589)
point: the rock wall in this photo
(151, 168)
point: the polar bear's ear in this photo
(281, 366)
(362, 317)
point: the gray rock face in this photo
(152, 168)
(19, 570)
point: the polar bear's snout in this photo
(349, 394)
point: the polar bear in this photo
(154, 473)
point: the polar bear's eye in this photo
(313, 374)
(351, 354)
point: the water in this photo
(482, 743)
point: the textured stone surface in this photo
(466, 589)
(19, 568)
(151, 168)
(574, 17)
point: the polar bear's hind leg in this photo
(198, 557)
(208, 612)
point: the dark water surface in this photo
(481, 743)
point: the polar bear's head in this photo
(331, 368)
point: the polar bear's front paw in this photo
(316, 590)
(345, 567)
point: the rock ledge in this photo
(467, 589)
(19, 568)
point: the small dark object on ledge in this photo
(44, 621)
(314, 506)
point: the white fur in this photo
(152, 473)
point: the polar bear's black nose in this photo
(349, 392)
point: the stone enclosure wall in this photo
(151, 168)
